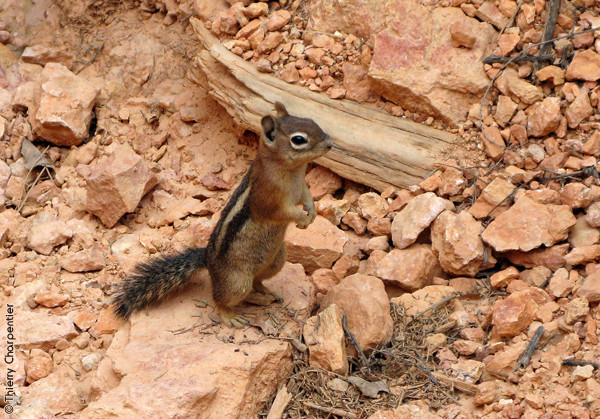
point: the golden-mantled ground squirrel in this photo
(247, 244)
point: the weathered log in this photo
(371, 147)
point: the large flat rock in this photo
(416, 65)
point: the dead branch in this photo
(371, 147)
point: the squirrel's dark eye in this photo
(298, 140)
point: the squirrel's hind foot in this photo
(260, 288)
(232, 319)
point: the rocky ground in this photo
(472, 294)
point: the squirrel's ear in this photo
(281, 111)
(269, 125)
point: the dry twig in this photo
(279, 404)
(354, 342)
(553, 9)
(525, 359)
(572, 362)
(438, 304)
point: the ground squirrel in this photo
(247, 244)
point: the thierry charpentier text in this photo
(9, 356)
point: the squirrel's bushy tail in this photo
(155, 279)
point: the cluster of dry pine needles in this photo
(405, 367)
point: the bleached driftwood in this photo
(371, 147)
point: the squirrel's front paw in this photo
(304, 223)
(306, 220)
(312, 213)
(308, 217)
